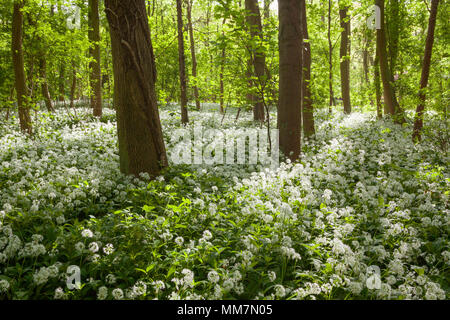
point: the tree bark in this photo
(289, 108)
(94, 64)
(418, 121)
(307, 106)
(19, 69)
(390, 100)
(182, 64)
(141, 144)
(193, 55)
(345, 59)
(258, 60)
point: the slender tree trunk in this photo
(221, 74)
(94, 65)
(10, 102)
(258, 60)
(289, 108)
(330, 59)
(266, 13)
(141, 144)
(62, 82)
(19, 69)
(377, 83)
(44, 84)
(182, 64)
(193, 55)
(345, 59)
(307, 106)
(418, 121)
(73, 87)
(366, 60)
(394, 35)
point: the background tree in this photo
(23, 102)
(257, 56)
(345, 56)
(94, 65)
(193, 55)
(418, 122)
(307, 106)
(390, 99)
(182, 64)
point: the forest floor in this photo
(363, 215)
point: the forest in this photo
(224, 150)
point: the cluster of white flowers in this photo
(117, 294)
(355, 198)
(4, 286)
(42, 275)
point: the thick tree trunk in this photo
(94, 65)
(258, 60)
(44, 84)
(345, 59)
(19, 70)
(141, 144)
(193, 55)
(418, 122)
(182, 64)
(289, 108)
(307, 106)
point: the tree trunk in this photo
(345, 59)
(266, 14)
(366, 60)
(73, 87)
(19, 69)
(182, 64)
(94, 65)
(222, 69)
(377, 83)
(289, 108)
(418, 121)
(390, 100)
(44, 84)
(62, 82)
(194, 58)
(258, 60)
(307, 106)
(141, 144)
(394, 35)
(330, 59)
